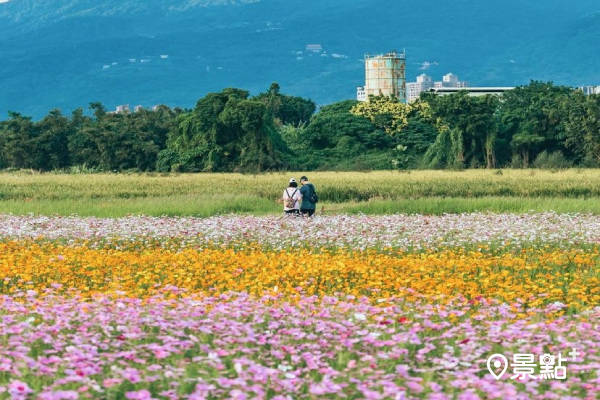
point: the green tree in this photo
(18, 141)
(83, 150)
(583, 126)
(532, 119)
(286, 109)
(52, 142)
(339, 139)
(335, 122)
(417, 137)
(117, 142)
(469, 130)
(150, 130)
(226, 131)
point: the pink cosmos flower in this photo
(18, 389)
(139, 395)
(160, 354)
(59, 395)
(414, 387)
(108, 383)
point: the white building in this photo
(361, 93)
(450, 80)
(414, 89)
(122, 109)
(424, 83)
(588, 90)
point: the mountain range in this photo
(66, 53)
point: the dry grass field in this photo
(382, 192)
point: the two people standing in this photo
(300, 201)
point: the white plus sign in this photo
(574, 354)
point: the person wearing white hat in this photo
(292, 198)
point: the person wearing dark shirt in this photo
(307, 208)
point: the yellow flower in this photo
(536, 277)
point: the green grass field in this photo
(382, 192)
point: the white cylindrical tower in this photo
(385, 75)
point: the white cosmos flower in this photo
(360, 316)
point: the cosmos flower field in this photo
(357, 307)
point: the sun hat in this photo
(293, 180)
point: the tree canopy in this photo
(539, 125)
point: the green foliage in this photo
(294, 136)
(287, 109)
(226, 131)
(555, 160)
(335, 122)
(337, 139)
(52, 142)
(231, 131)
(582, 126)
(470, 134)
(418, 136)
(440, 154)
(105, 142)
(532, 119)
(18, 141)
(390, 115)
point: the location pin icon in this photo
(495, 362)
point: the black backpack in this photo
(312, 197)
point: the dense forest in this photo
(538, 125)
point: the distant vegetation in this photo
(539, 125)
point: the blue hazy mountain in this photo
(67, 53)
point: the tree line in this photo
(536, 125)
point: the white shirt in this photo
(289, 193)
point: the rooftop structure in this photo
(425, 82)
(472, 91)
